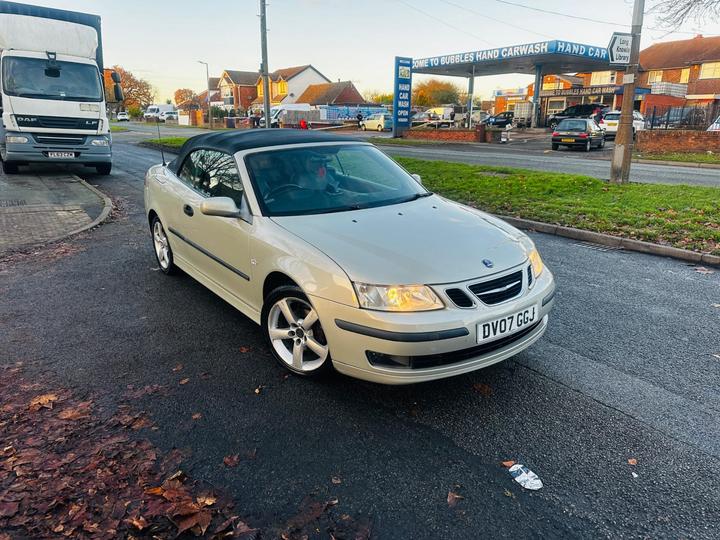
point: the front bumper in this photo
(445, 339)
(39, 145)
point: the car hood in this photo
(427, 241)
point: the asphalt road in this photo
(626, 370)
(524, 152)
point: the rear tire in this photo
(294, 333)
(555, 146)
(9, 167)
(380, 128)
(104, 168)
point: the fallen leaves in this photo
(453, 498)
(259, 389)
(336, 480)
(632, 461)
(507, 464)
(197, 416)
(704, 271)
(184, 381)
(44, 401)
(178, 368)
(483, 389)
(232, 460)
(78, 473)
(245, 350)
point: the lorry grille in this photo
(57, 122)
(74, 140)
(500, 289)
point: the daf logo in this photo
(26, 119)
(488, 263)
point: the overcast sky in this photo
(161, 40)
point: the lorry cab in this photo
(52, 91)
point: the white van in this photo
(276, 113)
(153, 112)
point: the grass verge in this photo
(682, 216)
(689, 157)
(166, 143)
(117, 129)
(387, 141)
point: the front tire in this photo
(380, 128)
(9, 167)
(588, 146)
(163, 251)
(294, 333)
(104, 168)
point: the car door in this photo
(216, 247)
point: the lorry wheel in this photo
(104, 168)
(9, 167)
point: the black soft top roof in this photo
(235, 141)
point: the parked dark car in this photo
(578, 132)
(585, 110)
(501, 120)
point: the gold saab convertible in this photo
(344, 258)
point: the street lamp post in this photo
(207, 74)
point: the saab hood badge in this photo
(488, 263)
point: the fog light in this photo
(15, 139)
(100, 142)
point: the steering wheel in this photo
(281, 189)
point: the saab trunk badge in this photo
(488, 263)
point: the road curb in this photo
(104, 214)
(690, 164)
(614, 241)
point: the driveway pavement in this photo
(44, 205)
(627, 371)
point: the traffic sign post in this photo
(619, 48)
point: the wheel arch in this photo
(152, 214)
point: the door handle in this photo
(188, 210)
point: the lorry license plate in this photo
(567, 140)
(61, 155)
(509, 324)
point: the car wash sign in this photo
(553, 47)
(401, 95)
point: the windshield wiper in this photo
(419, 196)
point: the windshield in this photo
(152, 110)
(572, 125)
(612, 116)
(322, 179)
(35, 78)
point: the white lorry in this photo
(52, 88)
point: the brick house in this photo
(237, 89)
(287, 84)
(337, 93)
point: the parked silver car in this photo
(344, 258)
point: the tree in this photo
(379, 98)
(138, 92)
(435, 92)
(186, 99)
(673, 13)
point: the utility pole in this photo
(207, 75)
(622, 155)
(264, 66)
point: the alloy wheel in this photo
(162, 247)
(296, 334)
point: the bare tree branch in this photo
(673, 13)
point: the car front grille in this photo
(74, 140)
(459, 298)
(499, 289)
(56, 122)
(444, 359)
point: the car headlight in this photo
(15, 139)
(536, 262)
(397, 297)
(102, 141)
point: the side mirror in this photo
(417, 178)
(226, 207)
(119, 96)
(115, 76)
